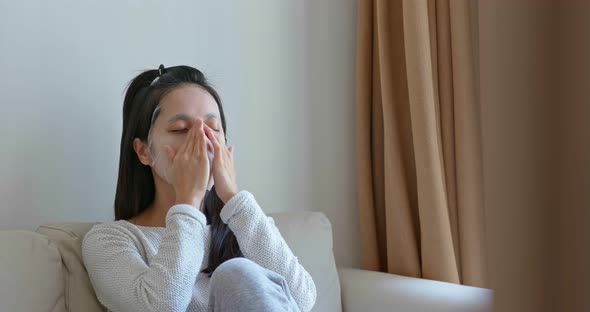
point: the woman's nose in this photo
(210, 148)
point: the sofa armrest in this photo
(375, 291)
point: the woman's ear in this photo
(142, 151)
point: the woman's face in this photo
(179, 109)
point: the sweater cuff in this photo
(234, 205)
(186, 210)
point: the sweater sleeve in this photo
(123, 281)
(261, 242)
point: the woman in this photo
(185, 238)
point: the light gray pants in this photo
(240, 284)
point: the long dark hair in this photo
(135, 184)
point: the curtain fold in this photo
(419, 163)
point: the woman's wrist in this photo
(194, 201)
(229, 196)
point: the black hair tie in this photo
(161, 71)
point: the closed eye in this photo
(214, 129)
(179, 130)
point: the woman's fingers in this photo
(199, 137)
(196, 137)
(189, 141)
(214, 140)
(202, 142)
(190, 174)
(181, 150)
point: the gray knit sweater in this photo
(140, 268)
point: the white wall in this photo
(285, 70)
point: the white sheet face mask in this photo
(160, 162)
(210, 155)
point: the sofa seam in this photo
(68, 232)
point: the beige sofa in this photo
(43, 271)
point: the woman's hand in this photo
(223, 171)
(190, 167)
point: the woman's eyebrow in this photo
(179, 117)
(211, 116)
(186, 117)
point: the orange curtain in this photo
(419, 163)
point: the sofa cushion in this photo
(308, 234)
(79, 294)
(31, 277)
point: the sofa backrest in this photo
(78, 292)
(66, 287)
(31, 273)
